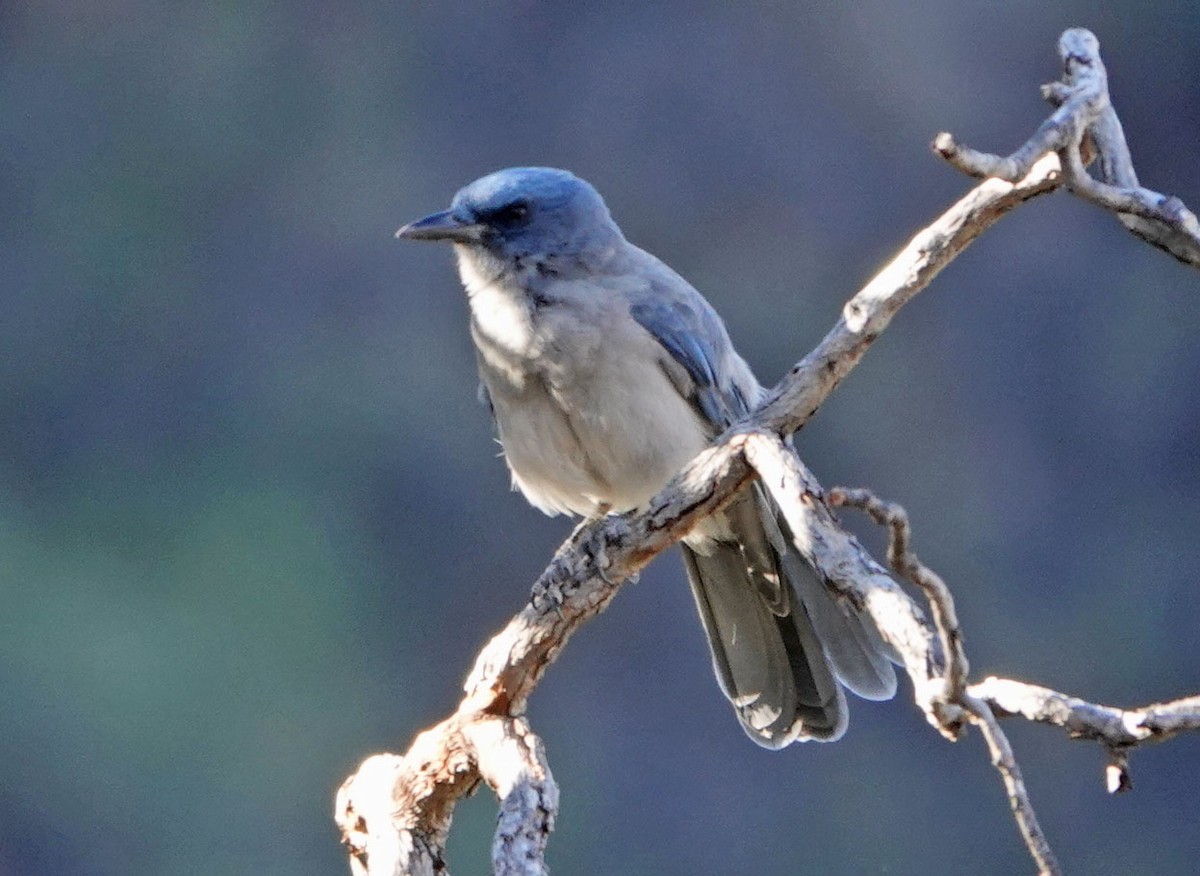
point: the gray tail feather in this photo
(861, 659)
(780, 642)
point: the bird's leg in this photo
(547, 593)
(596, 546)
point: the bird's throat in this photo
(501, 311)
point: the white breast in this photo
(587, 417)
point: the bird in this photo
(606, 372)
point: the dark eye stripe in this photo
(509, 213)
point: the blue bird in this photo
(606, 372)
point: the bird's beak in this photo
(442, 226)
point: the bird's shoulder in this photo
(698, 353)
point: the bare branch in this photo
(1086, 125)
(955, 698)
(395, 812)
(903, 560)
(1080, 98)
(1114, 727)
(516, 769)
(865, 316)
(364, 812)
(1119, 730)
(1014, 785)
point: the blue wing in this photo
(692, 333)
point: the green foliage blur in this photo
(252, 523)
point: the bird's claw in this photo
(548, 596)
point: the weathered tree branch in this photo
(1085, 113)
(1118, 730)
(395, 812)
(955, 697)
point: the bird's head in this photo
(523, 213)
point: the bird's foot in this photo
(548, 595)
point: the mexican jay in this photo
(606, 372)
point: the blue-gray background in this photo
(252, 523)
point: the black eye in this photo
(510, 214)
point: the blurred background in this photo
(253, 526)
